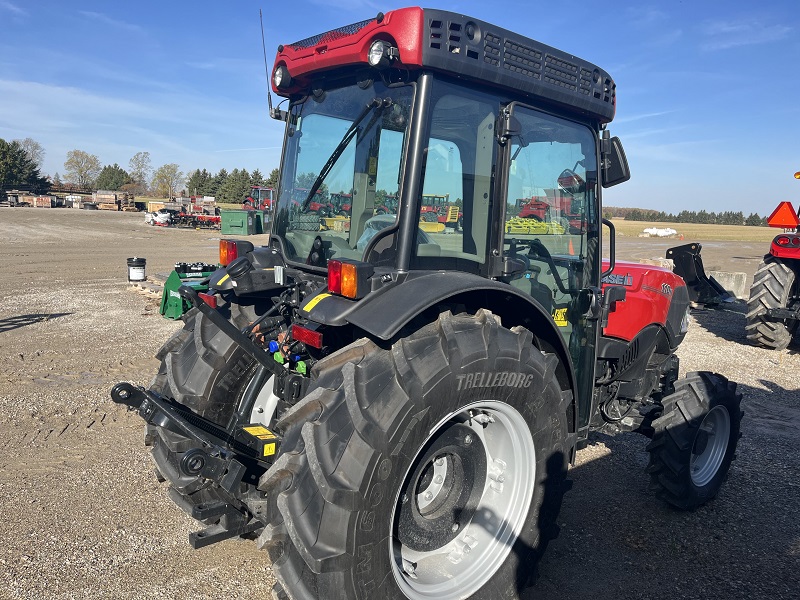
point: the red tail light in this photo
(227, 252)
(334, 277)
(349, 278)
(230, 250)
(783, 241)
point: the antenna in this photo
(274, 113)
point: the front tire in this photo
(694, 440)
(434, 469)
(774, 286)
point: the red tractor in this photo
(260, 198)
(438, 209)
(773, 310)
(559, 205)
(392, 412)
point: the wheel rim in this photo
(709, 446)
(487, 482)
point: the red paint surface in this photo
(402, 27)
(646, 302)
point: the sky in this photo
(708, 92)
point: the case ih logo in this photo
(614, 279)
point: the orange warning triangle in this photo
(571, 249)
(783, 216)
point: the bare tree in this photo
(166, 180)
(81, 168)
(33, 149)
(140, 168)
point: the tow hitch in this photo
(218, 457)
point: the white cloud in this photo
(12, 8)
(106, 20)
(722, 35)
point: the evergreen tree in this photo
(272, 180)
(200, 183)
(236, 187)
(753, 220)
(18, 170)
(112, 177)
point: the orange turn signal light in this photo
(349, 278)
(230, 250)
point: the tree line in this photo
(21, 164)
(685, 216)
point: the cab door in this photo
(554, 160)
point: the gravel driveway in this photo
(83, 515)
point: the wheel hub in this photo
(441, 495)
(709, 446)
(463, 502)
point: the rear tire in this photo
(204, 370)
(694, 440)
(774, 285)
(432, 469)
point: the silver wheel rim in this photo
(464, 564)
(709, 446)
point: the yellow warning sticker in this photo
(223, 278)
(560, 317)
(260, 432)
(314, 301)
(373, 165)
(269, 449)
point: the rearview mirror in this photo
(615, 165)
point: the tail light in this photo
(230, 250)
(349, 278)
(784, 240)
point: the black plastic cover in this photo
(477, 50)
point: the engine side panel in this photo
(651, 292)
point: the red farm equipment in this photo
(439, 209)
(389, 408)
(260, 198)
(773, 310)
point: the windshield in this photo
(340, 178)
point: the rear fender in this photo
(419, 297)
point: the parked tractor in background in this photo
(438, 209)
(773, 310)
(260, 198)
(391, 411)
(558, 205)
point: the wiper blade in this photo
(340, 148)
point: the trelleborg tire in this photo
(204, 370)
(434, 469)
(695, 440)
(773, 286)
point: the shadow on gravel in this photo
(728, 321)
(619, 541)
(11, 323)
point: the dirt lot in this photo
(83, 515)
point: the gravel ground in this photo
(83, 515)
